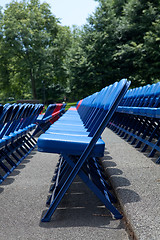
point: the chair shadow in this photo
(1, 189)
(118, 182)
(80, 207)
(10, 179)
(33, 152)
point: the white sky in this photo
(70, 12)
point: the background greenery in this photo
(40, 59)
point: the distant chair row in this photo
(52, 114)
(16, 141)
(137, 118)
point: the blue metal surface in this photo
(95, 112)
(16, 142)
(137, 118)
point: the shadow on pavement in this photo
(80, 207)
(118, 182)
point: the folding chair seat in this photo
(67, 131)
(64, 122)
(69, 122)
(76, 151)
(69, 144)
(76, 122)
(69, 117)
(82, 127)
(82, 107)
(80, 123)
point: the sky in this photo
(70, 12)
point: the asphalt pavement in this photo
(80, 215)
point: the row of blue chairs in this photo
(137, 118)
(17, 121)
(51, 115)
(76, 136)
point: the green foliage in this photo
(39, 58)
(68, 105)
(32, 48)
(121, 40)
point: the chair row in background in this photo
(17, 121)
(137, 119)
(51, 115)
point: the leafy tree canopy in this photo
(40, 58)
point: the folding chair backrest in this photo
(117, 95)
(132, 97)
(18, 116)
(50, 110)
(126, 98)
(5, 119)
(141, 98)
(36, 113)
(79, 103)
(1, 109)
(156, 98)
(107, 103)
(12, 122)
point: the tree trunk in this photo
(34, 94)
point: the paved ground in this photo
(79, 216)
(136, 180)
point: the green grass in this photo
(70, 105)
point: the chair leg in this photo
(76, 169)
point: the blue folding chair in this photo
(79, 152)
(139, 123)
(44, 121)
(16, 122)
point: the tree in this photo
(120, 40)
(29, 46)
(151, 53)
(136, 20)
(92, 63)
